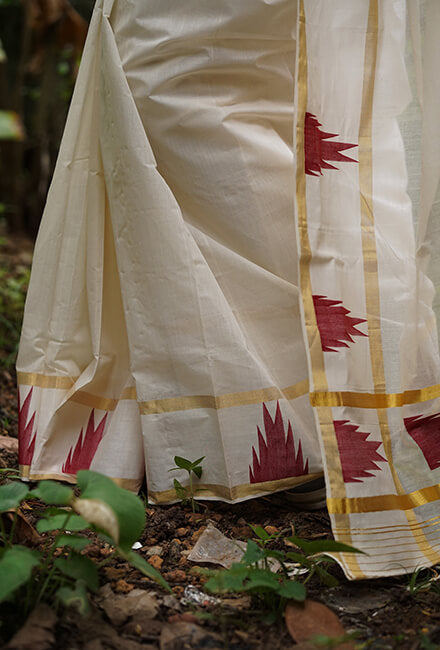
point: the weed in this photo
(269, 591)
(187, 494)
(29, 576)
(423, 579)
(13, 286)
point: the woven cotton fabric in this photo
(239, 260)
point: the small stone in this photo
(183, 561)
(123, 587)
(181, 532)
(194, 517)
(93, 550)
(155, 550)
(178, 590)
(113, 573)
(106, 551)
(155, 561)
(196, 534)
(175, 576)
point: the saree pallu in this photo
(238, 260)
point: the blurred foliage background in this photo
(40, 48)
(41, 42)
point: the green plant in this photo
(187, 494)
(28, 576)
(270, 591)
(423, 579)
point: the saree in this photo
(239, 258)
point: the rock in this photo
(38, 631)
(308, 619)
(271, 530)
(175, 576)
(120, 607)
(155, 550)
(182, 532)
(155, 561)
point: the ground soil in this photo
(383, 612)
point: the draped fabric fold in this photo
(227, 264)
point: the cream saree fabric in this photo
(230, 263)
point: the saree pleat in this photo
(228, 265)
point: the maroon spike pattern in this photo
(334, 324)
(277, 453)
(26, 442)
(425, 431)
(82, 455)
(358, 455)
(317, 151)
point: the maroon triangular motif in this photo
(26, 442)
(425, 431)
(359, 456)
(82, 455)
(318, 151)
(335, 325)
(277, 456)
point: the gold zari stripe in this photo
(374, 400)
(45, 381)
(227, 400)
(384, 502)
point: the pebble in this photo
(155, 550)
(123, 587)
(177, 575)
(181, 532)
(155, 561)
(196, 534)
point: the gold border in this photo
(246, 490)
(385, 502)
(45, 381)
(171, 404)
(228, 400)
(374, 400)
(335, 485)
(132, 484)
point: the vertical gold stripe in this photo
(369, 252)
(319, 379)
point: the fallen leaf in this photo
(24, 532)
(175, 636)
(37, 633)
(310, 619)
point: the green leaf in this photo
(74, 541)
(128, 508)
(261, 578)
(322, 546)
(16, 567)
(53, 493)
(79, 567)
(75, 597)
(253, 553)
(144, 567)
(292, 589)
(180, 490)
(58, 522)
(183, 463)
(260, 532)
(12, 494)
(228, 580)
(198, 471)
(197, 462)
